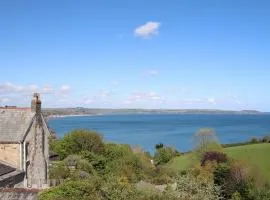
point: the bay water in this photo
(177, 130)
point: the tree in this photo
(77, 141)
(206, 141)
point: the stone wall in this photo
(37, 154)
(18, 194)
(10, 154)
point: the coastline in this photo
(65, 116)
(153, 113)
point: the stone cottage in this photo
(24, 146)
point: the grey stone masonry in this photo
(27, 129)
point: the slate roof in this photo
(14, 123)
(5, 169)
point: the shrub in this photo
(80, 175)
(210, 156)
(266, 139)
(81, 167)
(118, 188)
(203, 173)
(233, 177)
(159, 145)
(162, 175)
(259, 193)
(97, 161)
(254, 140)
(73, 190)
(156, 195)
(126, 166)
(77, 141)
(163, 155)
(236, 196)
(117, 151)
(84, 165)
(72, 160)
(191, 188)
(221, 178)
(59, 170)
(161, 179)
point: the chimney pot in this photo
(36, 103)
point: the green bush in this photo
(159, 145)
(254, 140)
(191, 188)
(97, 161)
(266, 138)
(117, 151)
(237, 179)
(156, 195)
(77, 141)
(78, 162)
(163, 155)
(259, 192)
(72, 167)
(112, 188)
(162, 175)
(118, 188)
(236, 196)
(74, 190)
(80, 175)
(58, 170)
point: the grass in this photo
(255, 154)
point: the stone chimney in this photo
(36, 103)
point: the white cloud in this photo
(192, 101)
(147, 30)
(151, 72)
(145, 96)
(212, 100)
(196, 101)
(20, 94)
(10, 88)
(7, 88)
(46, 89)
(64, 89)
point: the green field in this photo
(255, 154)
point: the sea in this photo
(176, 130)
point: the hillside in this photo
(254, 154)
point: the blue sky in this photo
(136, 53)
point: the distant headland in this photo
(80, 111)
